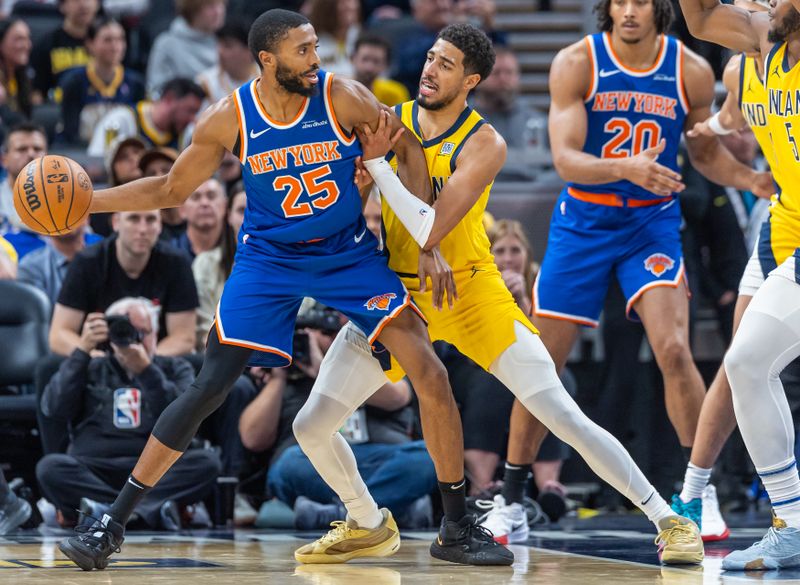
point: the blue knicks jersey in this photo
(298, 176)
(630, 110)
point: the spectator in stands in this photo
(236, 65)
(8, 262)
(230, 170)
(204, 213)
(15, 71)
(132, 262)
(371, 57)
(162, 122)
(46, 267)
(112, 403)
(157, 162)
(64, 48)
(211, 269)
(397, 470)
(430, 17)
(337, 24)
(372, 214)
(497, 100)
(14, 511)
(90, 91)
(122, 166)
(188, 48)
(23, 143)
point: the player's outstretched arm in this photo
(356, 106)
(215, 132)
(726, 25)
(729, 118)
(570, 79)
(708, 156)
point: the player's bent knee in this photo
(673, 353)
(742, 367)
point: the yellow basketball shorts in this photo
(481, 322)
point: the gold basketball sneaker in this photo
(345, 541)
(679, 541)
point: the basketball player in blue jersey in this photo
(620, 101)
(303, 235)
(768, 337)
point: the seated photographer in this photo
(111, 403)
(398, 471)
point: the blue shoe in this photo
(779, 549)
(693, 509)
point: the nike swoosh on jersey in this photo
(360, 237)
(254, 134)
(604, 73)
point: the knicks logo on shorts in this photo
(658, 264)
(380, 302)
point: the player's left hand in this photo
(133, 357)
(763, 185)
(432, 264)
(379, 143)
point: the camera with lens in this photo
(121, 331)
(319, 317)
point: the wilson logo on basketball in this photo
(30, 189)
(380, 302)
(58, 178)
(658, 264)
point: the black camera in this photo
(325, 320)
(121, 331)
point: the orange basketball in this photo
(52, 194)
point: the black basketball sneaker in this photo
(467, 543)
(91, 549)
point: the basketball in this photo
(52, 194)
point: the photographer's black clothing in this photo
(106, 420)
(95, 280)
(111, 416)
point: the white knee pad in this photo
(525, 367)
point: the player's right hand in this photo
(701, 129)
(94, 332)
(643, 170)
(433, 265)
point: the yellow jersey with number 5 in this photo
(783, 118)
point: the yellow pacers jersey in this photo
(481, 322)
(753, 104)
(783, 119)
(467, 245)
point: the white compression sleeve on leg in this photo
(528, 371)
(348, 376)
(416, 215)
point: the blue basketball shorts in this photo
(269, 280)
(590, 242)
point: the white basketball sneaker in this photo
(713, 526)
(508, 523)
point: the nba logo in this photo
(127, 408)
(447, 148)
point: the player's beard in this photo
(432, 105)
(293, 83)
(789, 25)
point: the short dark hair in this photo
(664, 15)
(374, 40)
(180, 87)
(476, 46)
(271, 28)
(235, 29)
(24, 128)
(99, 23)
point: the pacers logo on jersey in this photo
(380, 302)
(658, 264)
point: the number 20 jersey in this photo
(299, 175)
(629, 110)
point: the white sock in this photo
(694, 483)
(655, 508)
(783, 486)
(364, 512)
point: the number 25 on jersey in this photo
(628, 139)
(320, 192)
